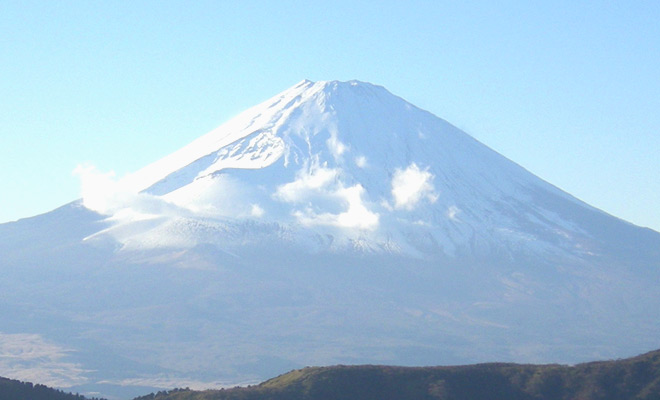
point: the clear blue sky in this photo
(569, 90)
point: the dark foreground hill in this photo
(633, 378)
(16, 390)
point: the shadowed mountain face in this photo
(635, 378)
(333, 223)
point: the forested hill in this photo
(16, 390)
(633, 378)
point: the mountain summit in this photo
(333, 223)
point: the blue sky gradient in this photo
(568, 90)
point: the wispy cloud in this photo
(29, 357)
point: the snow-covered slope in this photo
(351, 162)
(333, 223)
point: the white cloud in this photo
(105, 194)
(257, 211)
(100, 191)
(212, 196)
(361, 161)
(328, 201)
(420, 222)
(168, 382)
(411, 185)
(452, 213)
(336, 147)
(308, 181)
(357, 215)
(28, 357)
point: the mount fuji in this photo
(333, 223)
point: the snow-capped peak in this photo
(348, 160)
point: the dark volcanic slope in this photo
(634, 378)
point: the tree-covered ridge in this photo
(634, 378)
(16, 390)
